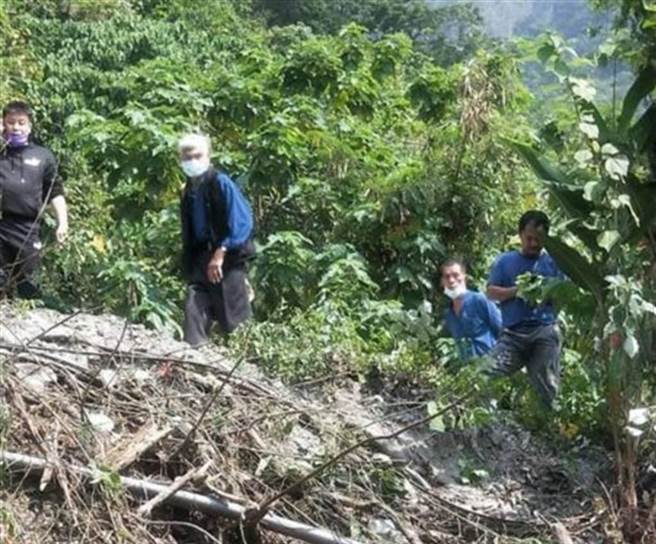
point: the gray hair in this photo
(195, 141)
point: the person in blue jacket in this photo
(530, 337)
(472, 319)
(217, 231)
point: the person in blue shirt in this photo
(530, 337)
(217, 230)
(471, 318)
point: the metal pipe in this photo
(188, 500)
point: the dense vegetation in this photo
(370, 153)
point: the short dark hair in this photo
(17, 106)
(535, 218)
(452, 261)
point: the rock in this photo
(109, 377)
(385, 529)
(36, 377)
(100, 422)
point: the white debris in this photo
(100, 422)
(638, 416)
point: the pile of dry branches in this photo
(121, 435)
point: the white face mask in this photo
(195, 167)
(456, 292)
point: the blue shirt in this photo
(516, 311)
(240, 216)
(477, 327)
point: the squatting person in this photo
(217, 229)
(471, 318)
(530, 337)
(28, 183)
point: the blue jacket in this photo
(215, 213)
(477, 327)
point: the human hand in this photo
(61, 232)
(215, 267)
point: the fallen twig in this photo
(145, 438)
(146, 508)
(561, 534)
(206, 408)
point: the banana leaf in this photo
(581, 271)
(568, 196)
(642, 86)
(643, 132)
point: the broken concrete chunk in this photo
(385, 529)
(100, 422)
(108, 377)
(36, 377)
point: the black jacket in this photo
(28, 178)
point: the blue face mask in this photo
(17, 139)
(195, 167)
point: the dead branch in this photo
(123, 455)
(561, 534)
(188, 500)
(206, 408)
(146, 508)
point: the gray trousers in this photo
(226, 302)
(536, 348)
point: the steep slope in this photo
(95, 406)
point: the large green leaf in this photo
(644, 130)
(568, 296)
(587, 235)
(568, 196)
(581, 271)
(541, 166)
(605, 133)
(642, 86)
(643, 201)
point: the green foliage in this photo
(604, 189)
(351, 146)
(636, 25)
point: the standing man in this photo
(28, 183)
(531, 337)
(217, 230)
(472, 319)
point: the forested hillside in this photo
(571, 18)
(374, 139)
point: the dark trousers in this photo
(226, 302)
(19, 257)
(536, 348)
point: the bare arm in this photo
(61, 215)
(501, 294)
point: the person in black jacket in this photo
(28, 183)
(217, 230)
